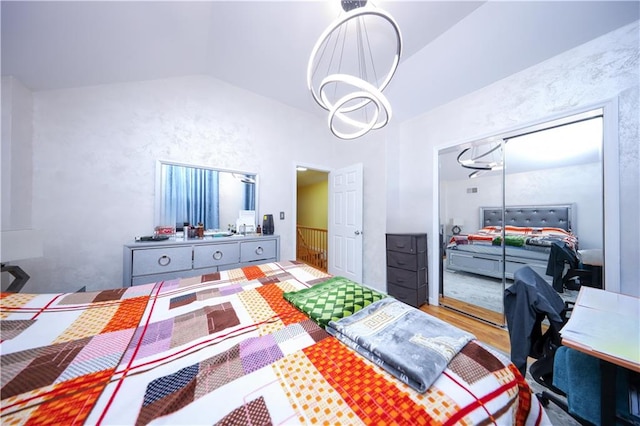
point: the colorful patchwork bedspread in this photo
(224, 348)
(517, 236)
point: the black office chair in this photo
(528, 302)
(576, 275)
(587, 272)
(535, 314)
(541, 370)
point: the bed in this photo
(529, 234)
(244, 346)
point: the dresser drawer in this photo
(257, 250)
(471, 263)
(415, 297)
(406, 261)
(406, 278)
(206, 256)
(406, 243)
(161, 260)
(146, 262)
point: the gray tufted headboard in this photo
(559, 216)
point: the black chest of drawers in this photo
(407, 268)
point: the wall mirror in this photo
(547, 176)
(199, 194)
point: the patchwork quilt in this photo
(530, 238)
(224, 348)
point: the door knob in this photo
(357, 232)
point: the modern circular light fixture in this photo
(244, 178)
(481, 158)
(339, 110)
(353, 96)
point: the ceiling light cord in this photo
(363, 93)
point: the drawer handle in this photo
(164, 260)
(259, 250)
(217, 255)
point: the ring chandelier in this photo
(481, 158)
(355, 103)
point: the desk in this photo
(606, 325)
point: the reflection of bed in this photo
(538, 225)
(228, 348)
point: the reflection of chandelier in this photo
(349, 87)
(481, 158)
(244, 178)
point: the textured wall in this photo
(589, 74)
(563, 185)
(95, 151)
(17, 166)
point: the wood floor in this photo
(479, 312)
(492, 335)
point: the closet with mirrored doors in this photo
(504, 200)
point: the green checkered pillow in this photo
(333, 299)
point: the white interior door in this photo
(345, 222)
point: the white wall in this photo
(94, 153)
(594, 72)
(94, 156)
(577, 185)
(16, 172)
(17, 168)
(369, 150)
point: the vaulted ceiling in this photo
(450, 47)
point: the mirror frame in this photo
(611, 192)
(158, 185)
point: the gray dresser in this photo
(407, 268)
(147, 262)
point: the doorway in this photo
(312, 209)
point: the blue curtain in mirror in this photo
(249, 197)
(191, 195)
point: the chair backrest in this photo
(526, 304)
(528, 277)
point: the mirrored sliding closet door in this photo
(505, 200)
(471, 181)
